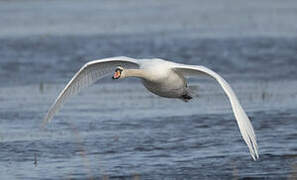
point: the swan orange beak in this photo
(116, 75)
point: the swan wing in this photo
(86, 76)
(245, 126)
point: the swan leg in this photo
(186, 97)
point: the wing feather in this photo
(86, 76)
(245, 126)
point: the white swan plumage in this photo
(161, 77)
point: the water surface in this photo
(118, 130)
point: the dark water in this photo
(118, 130)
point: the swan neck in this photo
(139, 73)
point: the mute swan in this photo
(161, 77)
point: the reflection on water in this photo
(293, 174)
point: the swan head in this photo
(118, 72)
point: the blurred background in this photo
(118, 130)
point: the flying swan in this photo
(161, 77)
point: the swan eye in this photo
(119, 68)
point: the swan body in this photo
(161, 77)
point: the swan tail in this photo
(191, 92)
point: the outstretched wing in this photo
(243, 121)
(86, 76)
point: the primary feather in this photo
(244, 124)
(86, 76)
